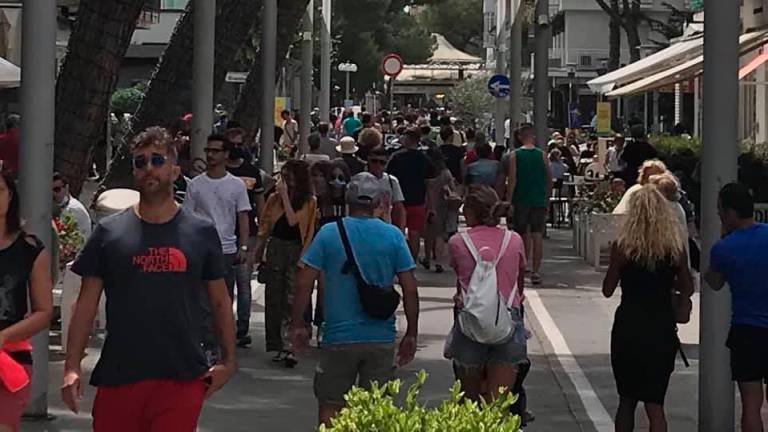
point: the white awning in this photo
(670, 56)
(10, 74)
(686, 70)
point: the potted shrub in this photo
(376, 410)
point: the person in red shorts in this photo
(413, 168)
(162, 271)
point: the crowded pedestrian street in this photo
(383, 215)
(570, 387)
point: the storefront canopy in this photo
(670, 56)
(676, 71)
(10, 74)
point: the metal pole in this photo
(204, 14)
(501, 104)
(515, 70)
(346, 95)
(645, 111)
(269, 48)
(391, 93)
(696, 107)
(656, 127)
(305, 123)
(325, 61)
(541, 72)
(38, 81)
(718, 167)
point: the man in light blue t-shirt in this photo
(740, 258)
(355, 345)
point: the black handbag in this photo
(380, 302)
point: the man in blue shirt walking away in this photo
(740, 258)
(357, 348)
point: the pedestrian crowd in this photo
(172, 266)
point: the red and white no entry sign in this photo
(392, 65)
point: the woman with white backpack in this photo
(488, 341)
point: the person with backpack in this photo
(488, 341)
(359, 256)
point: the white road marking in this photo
(595, 409)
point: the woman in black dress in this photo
(649, 261)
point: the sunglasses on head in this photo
(156, 159)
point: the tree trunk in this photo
(168, 96)
(248, 107)
(632, 18)
(99, 40)
(614, 56)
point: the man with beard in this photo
(155, 262)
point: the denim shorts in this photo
(469, 354)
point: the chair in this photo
(558, 205)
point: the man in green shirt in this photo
(529, 186)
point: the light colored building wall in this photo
(159, 33)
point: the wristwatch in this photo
(244, 248)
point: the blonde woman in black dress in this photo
(650, 263)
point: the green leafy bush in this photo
(127, 99)
(668, 145)
(376, 411)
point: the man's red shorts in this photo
(415, 218)
(149, 406)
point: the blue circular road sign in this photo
(499, 86)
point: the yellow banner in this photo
(281, 103)
(603, 117)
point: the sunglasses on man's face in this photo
(157, 160)
(213, 150)
(377, 161)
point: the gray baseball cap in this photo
(364, 189)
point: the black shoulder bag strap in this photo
(351, 264)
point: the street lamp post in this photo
(347, 68)
(571, 75)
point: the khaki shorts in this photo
(342, 366)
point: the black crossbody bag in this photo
(379, 302)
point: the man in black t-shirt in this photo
(155, 262)
(238, 166)
(412, 167)
(635, 153)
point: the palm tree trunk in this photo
(100, 38)
(168, 96)
(248, 106)
(614, 57)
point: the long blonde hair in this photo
(651, 232)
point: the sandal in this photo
(536, 279)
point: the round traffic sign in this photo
(499, 85)
(392, 65)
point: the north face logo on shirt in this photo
(161, 260)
